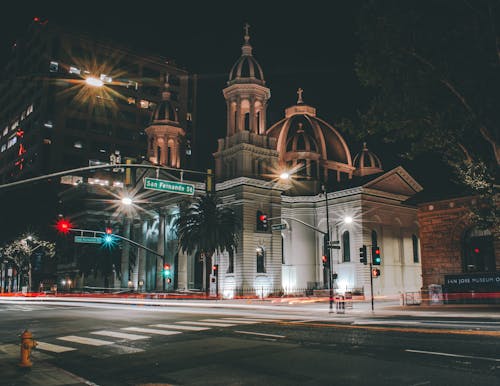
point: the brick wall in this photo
(442, 225)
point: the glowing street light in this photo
(127, 201)
(94, 82)
(284, 176)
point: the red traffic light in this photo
(476, 250)
(63, 226)
(109, 231)
(214, 267)
(323, 258)
(262, 217)
(377, 251)
(166, 267)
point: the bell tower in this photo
(246, 150)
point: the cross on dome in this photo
(247, 36)
(299, 93)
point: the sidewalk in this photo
(41, 373)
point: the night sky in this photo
(310, 44)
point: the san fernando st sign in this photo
(168, 186)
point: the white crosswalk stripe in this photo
(208, 324)
(83, 340)
(122, 335)
(239, 321)
(177, 327)
(151, 331)
(260, 319)
(53, 347)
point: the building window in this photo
(260, 255)
(346, 244)
(414, 240)
(2, 149)
(230, 265)
(5, 130)
(74, 70)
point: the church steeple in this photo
(246, 100)
(165, 134)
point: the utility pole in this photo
(327, 249)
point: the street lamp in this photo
(94, 82)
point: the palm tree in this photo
(207, 227)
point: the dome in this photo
(308, 143)
(246, 69)
(367, 162)
(165, 111)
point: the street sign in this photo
(278, 227)
(88, 240)
(168, 186)
(334, 244)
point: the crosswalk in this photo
(110, 337)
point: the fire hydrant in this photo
(27, 344)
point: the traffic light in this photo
(166, 270)
(375, 272)
(362, 255)
(63, 225)
(261, 221)
(376, 257)
(324, 259)
(108, 240)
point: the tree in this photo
(20, 251)
(207, 227)
(433, 68)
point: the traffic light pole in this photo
(371, 283)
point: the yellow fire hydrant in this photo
(27, 344)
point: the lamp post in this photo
(326, 241)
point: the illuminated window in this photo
(130, 100)
(78, 145)
(11, 142)
(132, 84)
(53, 67)
(29, 110)
(189, 116)
(2, 149)
(144, 104)
(74, 70)
(48, 124)
(6, 130)
(14, 126)
(346, 252)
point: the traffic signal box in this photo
(376, 257)
(261, 221)
(362, 255)
(166, 270)
(63, 226)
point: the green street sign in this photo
(168, 186)
(88, 240)
(278, 227)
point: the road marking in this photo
(386, 322)
(83, 340)
(227, 321)
(115, 334)
(236, 320)
(174, 326)
(208, 324)
(151, 331)
(261, 334)
(453, 355)
(261, 319)
(53, 347)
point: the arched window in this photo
(414, 240)
(478, 253)
(230, 265)
(247, 121)
(346, 252)
(261, 264)
(258, 122)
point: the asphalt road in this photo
(142, 345)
